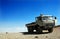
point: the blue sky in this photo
(14, 14)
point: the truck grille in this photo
(50, 24)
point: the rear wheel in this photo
(30, 30)
(50, 30)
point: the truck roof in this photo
(47, 16)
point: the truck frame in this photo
(43, 22)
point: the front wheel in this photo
(39, 30)
(50, 30)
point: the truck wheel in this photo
(30, 30)
(50, 30)
(39, 30)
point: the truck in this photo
(42, 22)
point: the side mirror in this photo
(55, 18)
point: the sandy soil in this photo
(24, 35)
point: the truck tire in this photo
(50, 30)
(39, 30)
(30, 30)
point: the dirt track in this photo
(54, 35)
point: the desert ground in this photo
(25, 35)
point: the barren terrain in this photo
(25, 35)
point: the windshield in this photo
(47, 18)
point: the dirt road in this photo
(24, 35)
